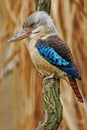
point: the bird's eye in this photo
(32, 24)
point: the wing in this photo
(62, 59)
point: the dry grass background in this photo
(20, 86)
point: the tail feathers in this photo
(75, 89)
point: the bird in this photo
(49, 53)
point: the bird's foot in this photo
(54, 76)
(49, 77)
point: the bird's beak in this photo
(21, 35)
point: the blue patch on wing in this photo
(50, 55)
(55, 59)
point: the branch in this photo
(51, 104)
(43, 5)
(51, 89)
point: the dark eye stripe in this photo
(32, 24)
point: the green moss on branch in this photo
(43, 5)
(51, 104)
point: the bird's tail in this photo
(75, 89)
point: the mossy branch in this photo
(43, 5)
(51, 89)
(51, 104)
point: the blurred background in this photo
(20, 86)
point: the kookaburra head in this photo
(38, 25)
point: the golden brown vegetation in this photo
(20, 86)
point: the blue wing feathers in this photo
(55, 59)
(50, 54)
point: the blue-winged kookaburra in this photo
(48, 52)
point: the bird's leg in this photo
(54, 75)
(49, 77)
